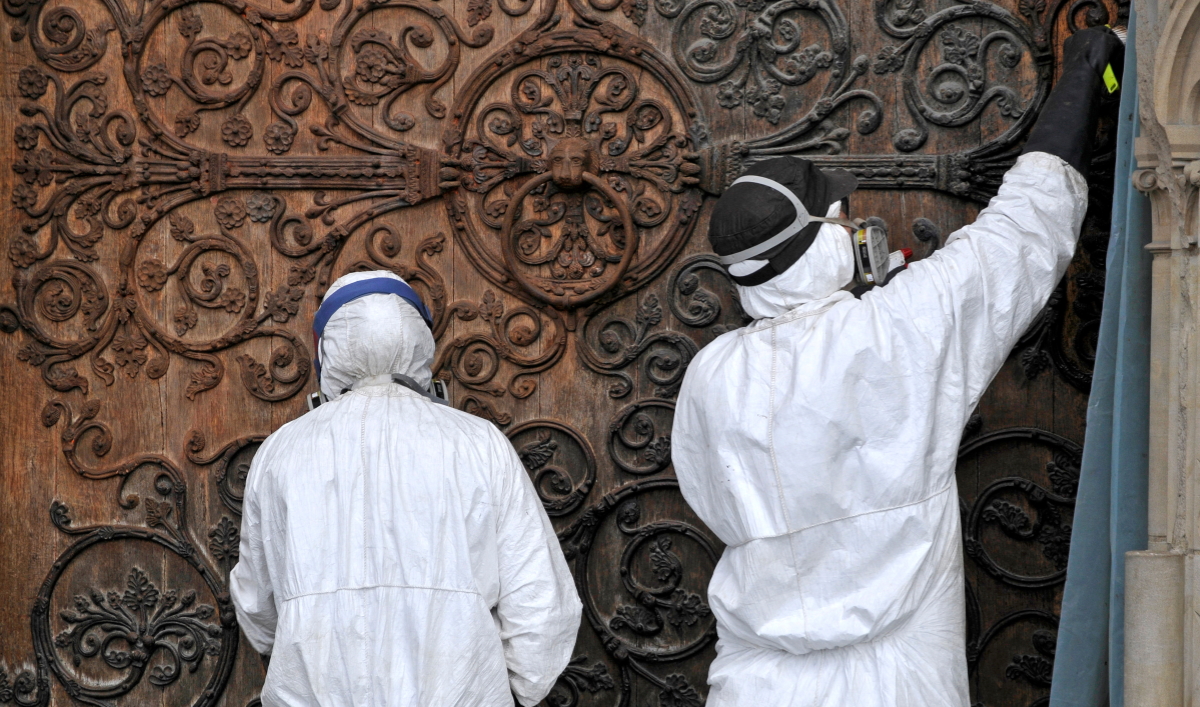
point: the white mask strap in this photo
(802, 220)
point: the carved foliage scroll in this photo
(188, 177)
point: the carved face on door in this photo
(569, 159)
(188, 177)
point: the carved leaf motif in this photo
(635, 10)
(255, 376)
(1010, 517)
(667, 565)
(1033, 669)
(593, 679)
(649, 313)
(888, 60)
(182, 227)
(536, 455)
(300, 275)
(478, 11)
(32, 353)
(185, 318)
(203, 378)
(491, 307)
(959, 45)
(157, 513)
(678, 693)
(1056, 543)
(658, 452)
(480, 408)
(637, 619)
(283, 303)
(686, 608)
(361, 98)
(1032, 8)
(316, 50)
(285, 46)
(223, 541)
(1064, 475)
(186, 123)
(129, 350)
(1046, 643)
(1034, 360)
(140, 592)
(190, 23)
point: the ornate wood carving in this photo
(188, 177)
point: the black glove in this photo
(1066, 125)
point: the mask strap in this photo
(852, 225)
(802, 219)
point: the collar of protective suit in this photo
(372, 337)
(819, 275)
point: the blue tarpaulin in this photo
(1110, 511)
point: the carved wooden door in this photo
(188, 177)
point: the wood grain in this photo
(187, 178)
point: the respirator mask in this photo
(873, 263)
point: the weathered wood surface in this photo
(187, 177)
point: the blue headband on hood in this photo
(355, 290)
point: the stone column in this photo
(1162, 627)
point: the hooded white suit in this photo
(394, 552)
(819, 444)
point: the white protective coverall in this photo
(394, 552)
(819, 444)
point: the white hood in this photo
(376, 335)
(824, 269)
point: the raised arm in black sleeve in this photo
(1067, 123)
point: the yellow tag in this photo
(1110, 79)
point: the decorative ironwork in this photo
(571, 147)
(148, 631)
(652, 573)
(550, 450)
(1005, 504)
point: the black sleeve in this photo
(1067, 122)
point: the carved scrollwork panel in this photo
(1017, 533)
(649, 615)
(187, 178)
(573, 172)
(560, 462)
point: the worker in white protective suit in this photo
(394, 552)
(819, 442)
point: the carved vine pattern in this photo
(658, 603)
(84, 164)
(136, 626)
(1004, 505)
(574, 258)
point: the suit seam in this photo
(775, 467)
(382, 586)
(797, 531)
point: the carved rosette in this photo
(187, 177)
(575, 177)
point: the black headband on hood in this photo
(748, 213)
